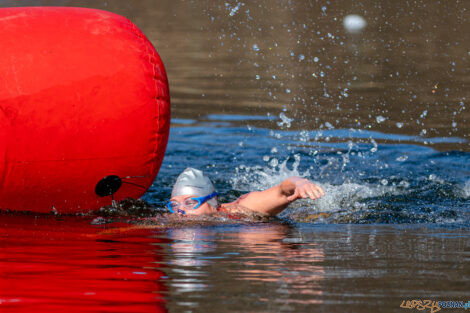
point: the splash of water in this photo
(250, 178)
(337, 197)
(349, 196)
(233, 10)
(465, 190)
(285, 121)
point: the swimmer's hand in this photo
(274, 200)
(300, 188)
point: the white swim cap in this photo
(193, 182)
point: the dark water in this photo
(262, 91)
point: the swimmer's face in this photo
(204, 208)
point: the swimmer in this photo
(194, 193)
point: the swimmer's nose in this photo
(179, 211)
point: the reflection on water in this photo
(267, 255)
(53, 264)
(290, 267)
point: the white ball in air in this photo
(354, 23)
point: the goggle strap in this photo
(208, 197)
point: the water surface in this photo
(52, 264)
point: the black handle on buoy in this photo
(108, 186)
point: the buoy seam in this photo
(152, 59)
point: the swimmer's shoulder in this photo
(234, 206)
(240, 211)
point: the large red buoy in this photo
(84, 109)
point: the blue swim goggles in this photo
(190, 203)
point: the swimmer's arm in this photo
(274, 200)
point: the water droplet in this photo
(285, 120)
(274, 162)
(235, 9)
(380, 119)
(404, 183)
(402, 158)
(375, 145)
(255, 47)
(301, 57)
(328, 125)
(316, 59)
(354, 23)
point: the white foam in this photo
(349, 195)
(465, 190)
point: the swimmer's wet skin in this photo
(194, 193)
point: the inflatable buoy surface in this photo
(84, 99)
